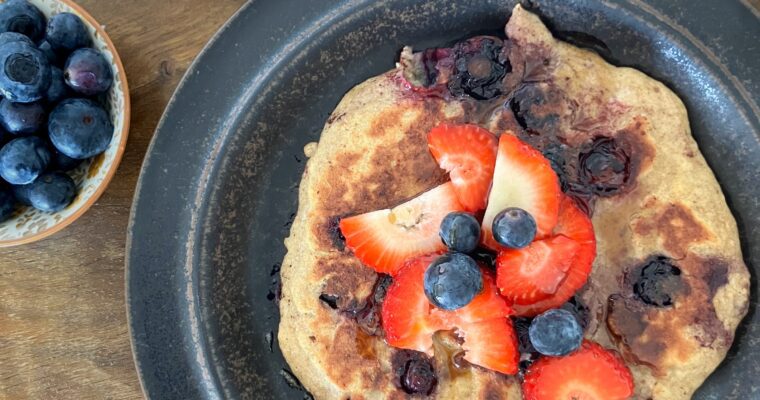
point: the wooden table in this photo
(63, 328)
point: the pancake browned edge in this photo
(373, 154)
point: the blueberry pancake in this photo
(593, 202)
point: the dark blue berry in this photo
(88, 72)
(22, 160)
(80, 128)
(52, 57)
(514, 228)
(66, 33)
(659, 282)
(452, 281)
(58, 90)
(52, 191)
(555, 333)
(24, 72)
(22, 17)
(21, 118)
(8, 37)
(460, 232)
(62, 162)
(7, 203)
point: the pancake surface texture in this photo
(667, 210)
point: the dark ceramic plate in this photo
(218, 188)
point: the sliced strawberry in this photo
(523, 178)
(410, 320)
(575, 224)
(491, 344)
(468, 153)
(384, 239)
(590, 373)
(527, 275)
(406, 310)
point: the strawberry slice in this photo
(523, 178)
(590, 373)
(406, 310)
(527, 275)
(468, 154)
(384, 239)
(576, 225)
(409, 320)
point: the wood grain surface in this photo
(63, 328)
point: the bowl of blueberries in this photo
(64, 116)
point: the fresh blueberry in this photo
(7, 203)
(66, 33)
(21, 192)
(88, 72)
(8, 37)
(22, 160)
(514, 228)
(58, 90)
(52, 57)
(555, 333)
(21, 118)
(24, 72)
(460, 232)
(52, 191)
(80, 128)
(22, 17)
(452, 281)
(62, 162)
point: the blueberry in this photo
(7, 203)
(22, 17)
(66, 33)
(21, 192)
(62, 162)
(58, 90)
(52, 191)
(80, 128)
(24, 72)
(23, 159)
(460, 232)
(659, 282)
(452, 281)
(555, 333)
(8, 37)
(52, 57)
(21, 118)
(88, 72)
(514, 228)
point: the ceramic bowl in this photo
(28, 224)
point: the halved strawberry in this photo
(590, 373)
(527, 275)
(468, 153)
(523, 178)
(384, 239)
(410, 320)
(576, 225)
(406, 310)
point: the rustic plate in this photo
(218, 188)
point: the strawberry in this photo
(576, 225)
(406, 310)
(523, 178)
(384, 239)
(590, 373)
(468, 154)
(527, 275)
(409, 320)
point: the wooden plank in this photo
(63, 328)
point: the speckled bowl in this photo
(28, 224)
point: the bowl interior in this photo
(92, 176)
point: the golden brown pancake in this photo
(666, 211)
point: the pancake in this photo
(668, 286)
